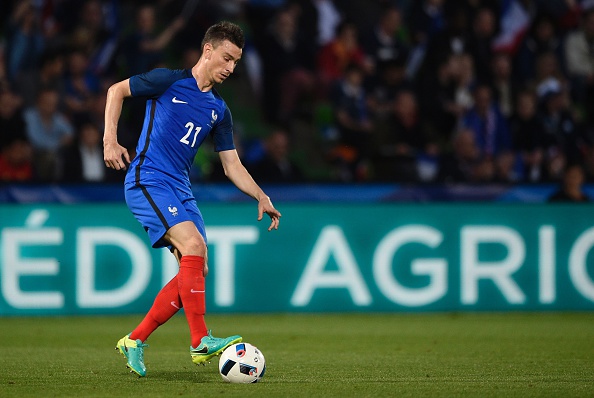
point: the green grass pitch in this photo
(338, 355)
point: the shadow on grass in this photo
(184, 376)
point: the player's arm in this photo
(236, 172)
(112, 151)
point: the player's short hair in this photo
(222, 31)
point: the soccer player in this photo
(182, 109)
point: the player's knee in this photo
(193, 245)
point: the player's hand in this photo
(115, 156)
(265, 206)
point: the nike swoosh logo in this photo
(176, 101)
(196, 291)
(174, 305)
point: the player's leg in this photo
(166, 304)
(191, 244)
(150, 205)
(186, 239)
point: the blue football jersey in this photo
(177, 120)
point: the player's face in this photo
(222, 60)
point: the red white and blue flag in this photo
(515, 21)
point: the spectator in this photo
(12, 124)
(384, 85)
(354, 124)
(336, 56)
(48, 132)
(571, 189)
(83, 161)
(318, 20)
(399, 151)
(560, 130)
(15, 162)
(480, 45)
(144, 48)
(504, 87)
(25, 39)
(96, 113)
(437, 96)
(541, 38)
(382, 45)
(462, 163)
(527, 134)
(49, 74)
(96, 34)
(80, 86)
(275, 166)
(260, 14)
(486, 170)
(463, 72)
(383, 91)
(286, 72)
(453, 40)
(564, 13)
(547, 68)
(579, 56)
(506, 168)
(555, 165)
(488, 123)
(426, 20)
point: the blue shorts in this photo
(159, 206)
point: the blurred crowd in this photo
(416, 91)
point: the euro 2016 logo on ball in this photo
(242, 363)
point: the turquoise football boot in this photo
(210, 347)
(133, 350)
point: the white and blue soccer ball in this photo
(242, 363)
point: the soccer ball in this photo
(242, 363)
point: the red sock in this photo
(191, 290)
(166, 304)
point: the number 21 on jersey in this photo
(191, 128)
